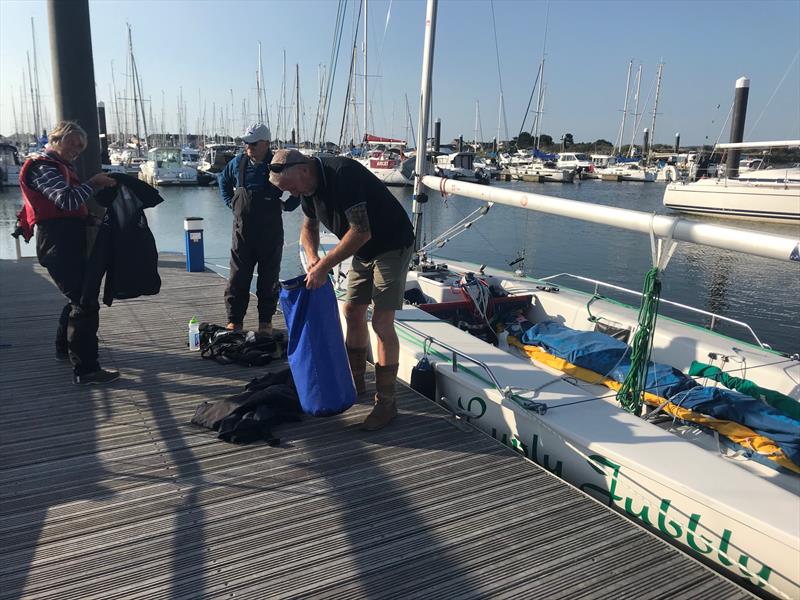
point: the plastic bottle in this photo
(502, 340)
(194, 334)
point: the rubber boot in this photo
(385, 408)
(358, 366)
(265, 328)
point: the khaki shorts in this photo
(381, 280)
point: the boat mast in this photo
(424, 115)
(366, 103)
(297, 102)
(475, 135)
(655, 107)
(37, 102)
(635, 112)
(33, 100)
(621, 136)
(16, 123)
(258, 87)
(409, 122)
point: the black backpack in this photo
(247, 348)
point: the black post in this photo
(73, 75)
(645, 143)
(101, 121)
(461, 143)
(677, 143)
(437, 135)
(73, 84)
(494, 144)
(737, 125)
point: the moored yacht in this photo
(165, 166)
(770, 195)
(9, 165)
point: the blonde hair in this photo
(65, 128)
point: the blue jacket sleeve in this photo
(227, 181)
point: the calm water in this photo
(761, 292)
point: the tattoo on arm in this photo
(358, 218)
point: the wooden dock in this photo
(109, 492)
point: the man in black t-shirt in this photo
(374, 229)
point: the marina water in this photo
(763, 293)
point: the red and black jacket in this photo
(38, 207)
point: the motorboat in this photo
(459, 165)
(10, 165)
(165, 166)
(626, 171)
(541, 172)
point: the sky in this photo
(208, 50)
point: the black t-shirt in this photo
(344, 183)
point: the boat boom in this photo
(663, 226)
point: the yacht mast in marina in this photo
(621, 135)
(636, 114)
(655, 107)
(36, 99)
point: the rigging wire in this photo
(499, 75)
(775, 91)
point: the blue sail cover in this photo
(316, 352)
(544, 155)
(610, 357)
(626, 159)
(746, 410)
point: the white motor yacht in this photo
(165, 166)
(10, 165)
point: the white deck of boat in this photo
(109, 492)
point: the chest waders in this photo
(257, 239)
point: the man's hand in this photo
(316, 275)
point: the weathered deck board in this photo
(108, 492)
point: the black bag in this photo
(247, 348)
(423, 378)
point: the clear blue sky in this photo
(210, 47)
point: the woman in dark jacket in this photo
(55, 202)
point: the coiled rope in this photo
(631, 393)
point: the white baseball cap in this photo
(256, 133)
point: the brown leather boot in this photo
(358, 366)
(385, 408)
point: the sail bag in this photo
(316, 351)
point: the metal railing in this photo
(713, 316)
(455, 355)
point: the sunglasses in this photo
(280, 167)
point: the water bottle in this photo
(194, 334)
(502, 340)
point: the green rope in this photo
(631, 394)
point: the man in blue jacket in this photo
(257, 229)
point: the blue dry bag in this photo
(316, 352)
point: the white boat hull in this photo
(731, 199)
(743, 518)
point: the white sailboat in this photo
(770, 195)
(732, 503)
